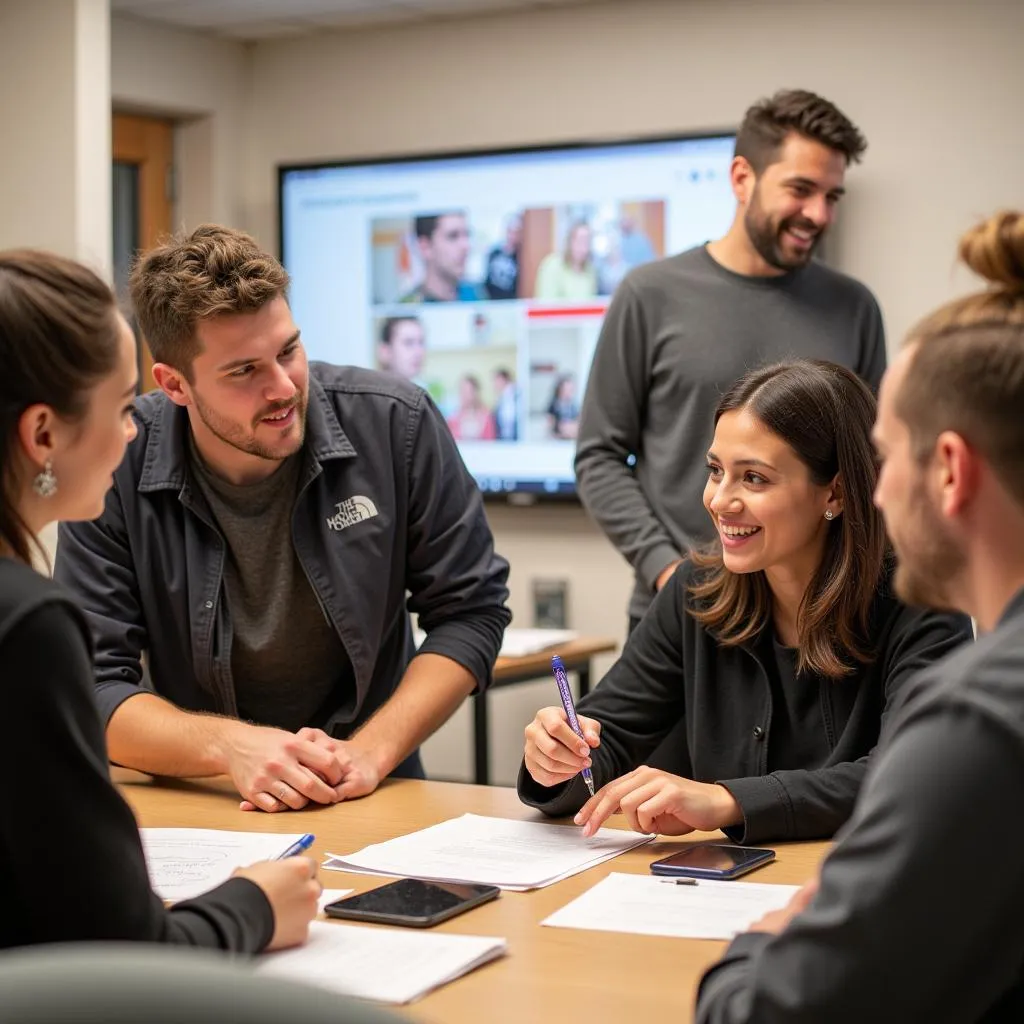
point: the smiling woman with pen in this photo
(774, 657)
(67, 379)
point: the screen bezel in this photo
(513, 497)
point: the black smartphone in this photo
(412, 902)
(713, 861)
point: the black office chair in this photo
(114, 983)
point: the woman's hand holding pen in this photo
(292, 888)
(554, 753)
(655, 801)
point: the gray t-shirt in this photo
(286, 658)
(677, 334)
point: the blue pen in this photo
(299, 846)
(570, 711)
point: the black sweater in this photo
(71, 861)
(673, 670)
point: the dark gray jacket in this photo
(385, 506)
(672, 671)
(918, 917)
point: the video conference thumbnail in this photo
(566, 253)
(494, 376)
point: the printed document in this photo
(652, 905)
(516, 855)
(392, 965)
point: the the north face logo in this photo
(352, 510)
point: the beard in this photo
(927, 566)
(245, 440)
(766, 236)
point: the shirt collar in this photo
(164, 463)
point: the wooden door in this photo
(143, 154)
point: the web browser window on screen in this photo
(484, 278)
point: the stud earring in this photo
(45, 483)
(829, 515)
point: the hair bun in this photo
(994, 249)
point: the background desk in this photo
(549, 974)
(577, 655)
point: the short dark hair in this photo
(503, 371)
(426, 225)
(825, 413)
(967, 372)
(768, 122)
(60, 335)
(193, 277)
(387, 331)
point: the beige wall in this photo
(202, 81)
(55, 125)
(935, 85)
(55, 175)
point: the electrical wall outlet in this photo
(550, 604)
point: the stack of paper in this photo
(184, 862)
(515, 855)
(651, 905)
(517, 643)
(387, 964)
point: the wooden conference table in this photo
(549, 974)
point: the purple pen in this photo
(570, 711)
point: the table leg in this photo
(584, 674)
(481, 742)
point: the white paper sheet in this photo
(184, 862)
(515, 855)
(516, 643)
(330, 895)
(391, 965)
(649, 905)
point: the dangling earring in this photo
(45, 483)
(829, 515)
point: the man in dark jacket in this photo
(259, 543)
(916, 916)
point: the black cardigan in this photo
(71, 861)
(673, 671)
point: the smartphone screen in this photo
(713, 861)
(412, 901)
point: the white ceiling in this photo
(265, 19)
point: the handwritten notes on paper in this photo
(184, 862)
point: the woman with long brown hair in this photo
(772, 657)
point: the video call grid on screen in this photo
(484, 277)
